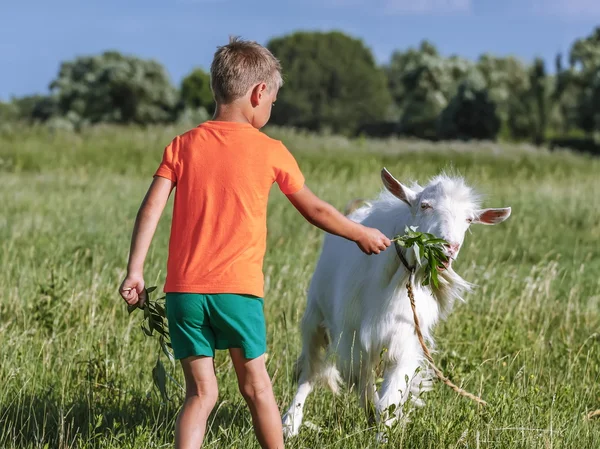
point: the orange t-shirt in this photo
(223, 172)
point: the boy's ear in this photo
(257, 94)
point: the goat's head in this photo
(446, 207)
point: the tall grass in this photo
(75, 368)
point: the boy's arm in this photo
(132, 288)
(327, 217)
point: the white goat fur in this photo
(358, 305)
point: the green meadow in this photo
(76, 369)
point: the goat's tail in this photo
(330, 376)
(318, 370)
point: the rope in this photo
(437, 371)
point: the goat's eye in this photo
(425, 206)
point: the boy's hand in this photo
(372, 241)
(133, 290)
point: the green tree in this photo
(507, 81)
(36, 108)
(589, 105)
(30, 108)
(8, 112)
(585, 53)
(565, 97)
(471, 114)
(422, 83)
(114, 88)
(331, 82)
(539, 96)
(196, 92)
(584, 61)
(403, 63)
(44, 108)
(595, 100)
(520, 119)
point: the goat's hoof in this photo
(291, 425)
(381, 438)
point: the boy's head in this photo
(246, 73)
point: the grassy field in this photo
(75, 368)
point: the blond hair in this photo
(239, 66)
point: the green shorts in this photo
(199, 324)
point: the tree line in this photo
(333, 84)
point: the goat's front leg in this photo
(367, 392)
(395, 390)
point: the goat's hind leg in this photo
(310, 367)
(292, 420)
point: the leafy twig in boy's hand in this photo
(425, 246)
(155, 320)
(142, 298)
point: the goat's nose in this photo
(453, 248)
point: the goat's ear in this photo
(492, 216)
(397, 189)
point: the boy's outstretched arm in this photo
(132, 288)
(327, 217)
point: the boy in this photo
(223, 171)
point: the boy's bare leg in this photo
(255, 386)
(201, 393)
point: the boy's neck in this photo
(230, 113)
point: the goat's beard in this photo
(451, 286)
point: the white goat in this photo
(358, 311)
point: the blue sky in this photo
(36, 35)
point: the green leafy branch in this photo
(155, 324)
(425, 246)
